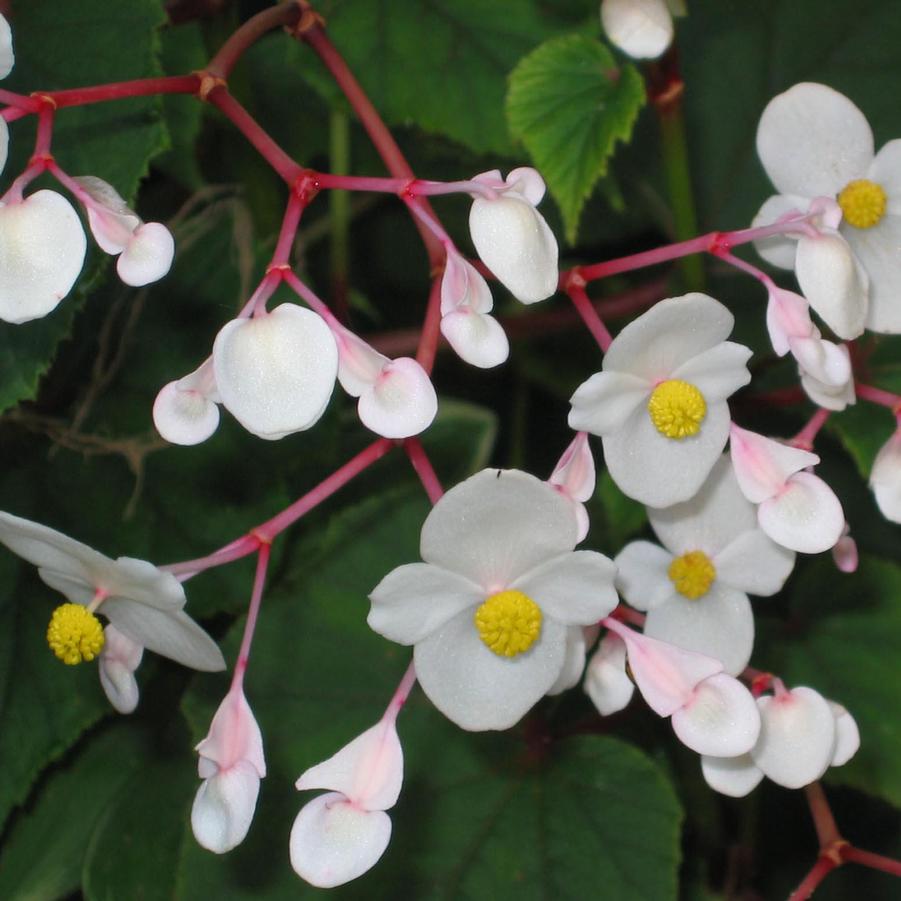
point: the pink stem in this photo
(306, 293)
(424, 469)
(878, 396)
(805, 438)
(431, 328)
(285, 14)
(141, 87)
(246, 544)
(401, 693)
(589, 314)
(338, 479)
(253, 613)
(749, 268)
(809, 883)
(20, 101)
(282, 254)
(821, 812)
(874, 861)
(628, 615)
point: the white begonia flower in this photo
(574, 478)
(143, 603)
(885, 478)
(185, 411)
(42, 248)
(641, 28)
(796, 509)
(659, 404)
(116, 665)
(827, 394)
(145, 250)
(396, 397)
(275, 372)
(606, 681)
(710, 711)
(231, 764)
(339, 836)
(490, 609)
(466, 301)
(813, 143)
(7, 57)
(694, 592)
(511, 236)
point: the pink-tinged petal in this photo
(824, 361)
(111, 220)
(117, 663)
(660, 471)
(7, 57)
(528, 182)
(401, 402)
(797, 737)
(886, 172)
(732, 776)
(42, 248)
(833, 282)
(779, 250)
(830, 397)
(148, 256)
(787, 316)
(369, 770)
(414, 600)
(573, 663)
(708, 521)
(720, 718)
(604, 402)
(477, 339)
(574, 473)
(184, 416)
(276, 372)
(847, 735)
(478, 689)
(813, 140)
(876, 250)
(234, 735)
(754, 563)
(642, 575)
(844, 553)
(606, 682)
(359, 364)
(575, 588)
(717, 372)
(720, 624)
(516, 244)
(670, 333)
(463, 287)
(885, 478)
(665, 675)
(224, 806)
(805, 516)
(763, 465)
(497, 525)
(333, 842)
(641, 28)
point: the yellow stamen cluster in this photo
(692, 574)
(509, 622)
(677, 409)
(74, 634)
(863, 203)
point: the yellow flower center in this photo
(509, 622)
(692, 574)
(74, 634)
(863, 203)
(677, 409)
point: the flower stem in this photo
(401, 693)
(589, 314)
(805, 438)
(431, 328)
(809, 883)
(119, 90)
(879, 396)
(253, 613)
(424, 469)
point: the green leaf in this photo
(569, 102)
(840, 637)
(114, 141)
(619, 516)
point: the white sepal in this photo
(117, 663)
(185, 411)
(885, 478)
(606, 681)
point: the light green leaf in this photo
(569, 102)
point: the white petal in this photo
(604, 402)
(806, 516)
(721, 718)
(797, 735)
(527, 182)
(787, 317)
(844, 553)
(276, 372)
(42, 248)
(754, 563)
(234, 736)
(7, 58)
(414, 600)
(779, 250)
(641, 28)
(223, 808)
(184, 417)
(148, 256)
(606, 682)
(497, 525)
(720, 625)
(333, 842)
(369, 770)
(812, 141)
(885, 478)
(763, 465)
(118, 660)
(516, 244)
(717, 372)
(573, 663)
(878, 249)
(463, 287)
(828, 396)
(4, 143)
(478, 689)
(359, 364)
(830, 279)
(574, 473)
(886, 171)
(732, 776)
(401, 402)
(847, 735)
(477, 339)
(642, 575)
(670, 333)
(710, 520)
(823, 361)
(661, 471)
